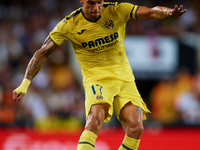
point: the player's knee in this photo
(134, 129)
(96, 117)
(94, 123)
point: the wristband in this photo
(23, 87)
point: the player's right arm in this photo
(34, 67)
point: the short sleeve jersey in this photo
(99, 44)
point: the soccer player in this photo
(96, 32)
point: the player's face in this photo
(92, 8)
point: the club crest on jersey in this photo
(99, 97)
(109, 24)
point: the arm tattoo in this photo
(39, 58)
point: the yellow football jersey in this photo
(99, 45)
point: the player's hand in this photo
(176, 12)
(17, 97)
(21, 91)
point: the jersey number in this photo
(97, 86)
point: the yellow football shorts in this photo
(115, 93)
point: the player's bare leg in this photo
(94, 123)
(131, 118)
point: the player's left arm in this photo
(160, 12)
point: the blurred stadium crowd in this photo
(55, 98)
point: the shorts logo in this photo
(99, 97)
(109, 24)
